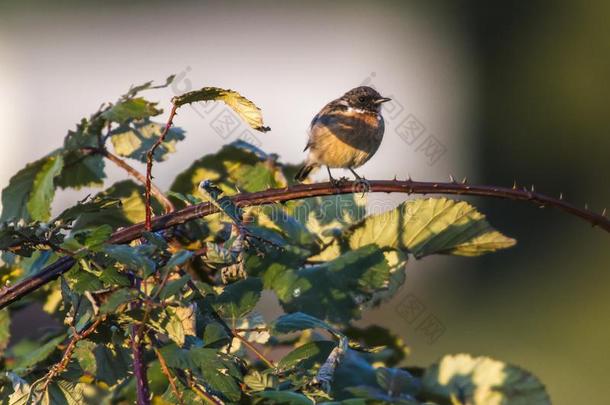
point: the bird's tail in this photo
(304, 172)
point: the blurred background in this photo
(497, 93)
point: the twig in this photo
(201, 393)
(154, 190)
(257, 352)
(272, 196)
(168, 375)
(250, 330)
(139, 367)
(149, 163)
(65, 359)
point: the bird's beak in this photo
(382, 100)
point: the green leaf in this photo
(393, 348)
(482, 381)
(133, 257)
(284, 398)
(112, 363)
(81, 170)
(131, 109)
(62, 392)
(20, 387)
(135, 140)
(395, 381)
(230, 169)
(5, 329)
(244, 108)
(111, 276)
(134, 90)
(298, 321)
(87, 134)
(84, 355)
(89, 206)
(311, 353)
(239, 298)
(428, 226)
(173, 287)
(214, 335)
(178, 259)
(224, 204)
(116, 299)
(30, 191)
(336, 289)
(38, 355)
(130, 211)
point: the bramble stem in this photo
(154, 190)
(149, 163)
(168, 375)
(301, 191)
(65, 359)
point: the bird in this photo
(346, 133)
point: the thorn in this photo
(409, 178)
(451, 179)
(465, 180)
(514, 184)
(395, 178)
(561, 196)
(586, 207)
(533, 188)
(604, 213)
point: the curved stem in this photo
(272, 196)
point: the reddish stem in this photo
(149, 163)
(271, 196)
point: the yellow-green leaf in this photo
(136, 139)
(427, 226)
(462, 378)
(246, 109)
(43, 188)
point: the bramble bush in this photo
(164, 311)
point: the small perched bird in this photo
(346, 133)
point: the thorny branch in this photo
(65, 359)
(149, 163)
(168, 375)
(301, 191)
(154, 190)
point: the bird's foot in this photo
(337, 183)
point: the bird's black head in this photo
(364, 98)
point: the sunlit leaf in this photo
(31, 191)
(427, 226)
(136, 139)
(482, 381)
(245, 108)
(230, 169)
(131, 209)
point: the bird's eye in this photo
(361, 99)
